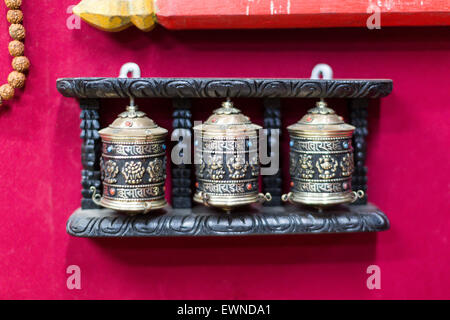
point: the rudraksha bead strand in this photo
(20, 63)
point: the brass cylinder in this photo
(321, 159)
(226, 160)
(133, 164)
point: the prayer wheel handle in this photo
(357, 195)
(95, 196)
(264, 197)
(287, 197)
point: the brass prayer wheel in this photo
(227, 164)
(133, 164)
(321, 159)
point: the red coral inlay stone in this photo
(249, 186)
(112, 191)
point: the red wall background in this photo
(408, 166)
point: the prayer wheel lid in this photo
(321, 121)
(228, 120)
(133, 124)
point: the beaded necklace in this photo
(20, 63)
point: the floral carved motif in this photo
(216, 88)
(327, 166)
(237, 167)
(347, 165)
(214, 167)
(110, 171)
(133, 171)
(306, 166)
(155, 170)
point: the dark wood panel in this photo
(221, 88)
(204, 221)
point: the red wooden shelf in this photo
(233, 14)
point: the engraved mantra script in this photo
(320, 146)
(322, 187)
(137, 193)
(224, 188)
(219, 145)
(134, 149)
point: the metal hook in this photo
(135, 70)
(130, 67)
(322, 69)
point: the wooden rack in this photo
(184, 219)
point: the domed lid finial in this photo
(228, 120)
(321, 121)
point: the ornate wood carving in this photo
(90, 151)
(358, 118)
(89, 221)
(221, 88)
(272, 121)
(203, 221)
(181, 174)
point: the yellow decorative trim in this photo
(117, 15)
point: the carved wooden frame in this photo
(180, 219)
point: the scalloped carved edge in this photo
(208, 222)
(221, 88)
